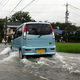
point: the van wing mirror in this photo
(12, 37)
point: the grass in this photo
(68, 47)
(9, 43)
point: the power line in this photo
(74, 7)
(74, 14)
(36, 12)
(4, 1)
(27, 5)
(15, 7)
(1, 1)
(74, 20)
(18, 5)
(4, 4)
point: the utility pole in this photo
(66, 22)
(5, 30)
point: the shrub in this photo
(0, 39)
(9, 38)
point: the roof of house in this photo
(13, 24)
(58, 31)
(73, 32)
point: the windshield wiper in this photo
(39, 36)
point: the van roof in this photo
(36, 23)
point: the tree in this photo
(62, 26)
(2, 28)
(77, 33)
(20, 17)
(78, 28)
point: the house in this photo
(57, 31)
(11, 26)
(74, 32)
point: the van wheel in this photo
(20, 54)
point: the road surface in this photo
(62, 66)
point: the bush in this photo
(74, 38)
(56, 37)
(0, 39)
(9, 38)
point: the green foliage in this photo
(56, 37)
(78, 28)
(74, 37)
(71, 37)
(63, 33)
(9, 38)
(0, 39)
(9, 43)
(77, 33)
(2, 27)
(20, 17)
(62, 26)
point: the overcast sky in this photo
(43, 10)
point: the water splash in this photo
(42, 61)
(12, 56)
(26, 62)
(5, 51)
(75, 72)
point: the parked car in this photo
(34, 38)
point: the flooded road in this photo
(62, 66)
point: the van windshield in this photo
(38, 29)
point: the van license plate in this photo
(40, 50)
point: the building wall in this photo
(10, 31)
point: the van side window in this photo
(18, 32)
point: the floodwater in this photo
(62, 66)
